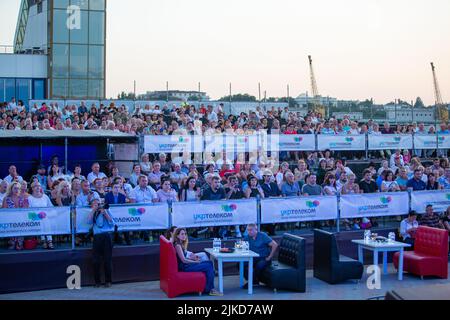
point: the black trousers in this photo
(102, 247)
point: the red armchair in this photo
(430, 255)
(173, 282)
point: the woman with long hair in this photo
(14, 199)
(63, 194)
(329, 186)
(180, 241)
(190, 191)
(389, 184)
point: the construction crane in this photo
(317, 106)
(441, 108)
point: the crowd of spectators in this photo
(156, 178)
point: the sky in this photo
(378, 49)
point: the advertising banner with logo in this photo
(298, 209)
(440, 200)
(215, 143)
(214, 213)
(34, 222)
(390, 141)
(425, 141)
(129, 218)
(292, 142)
(341, 142)
(374, 205)
(173, 143)
(246, 143)
(444, 141)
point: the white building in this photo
(303, 100)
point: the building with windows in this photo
(58, 53)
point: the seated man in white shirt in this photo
(408, 228)
(396, 155)
(13, 175)
(143, 193)
(95, 173)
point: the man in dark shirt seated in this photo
(215, 191)
(232, 190)
(270, 188)
(416, 183)
(367, 184)
(263, 245)
(116, 197)
(430, 219)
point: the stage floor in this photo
(315, 290)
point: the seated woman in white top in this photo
(389, 184)
(329, 186)
(38, 199)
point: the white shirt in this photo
(9, 179)
(92, 176)
(405, 225)
(392, 160)
(2, 196)
(42, 202)
(146, 195)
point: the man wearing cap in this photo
(393, 160)
(269, 187)
(430, 219)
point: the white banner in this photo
(292, 142)
(374, 204)
(214, 213)
(444, 141)
(215, 143)
(390, 141)
(246, 143)
(129, 218)
(298, 209)
(440, 200)
(34, 222)
(425, 141)
(173, 143)
(341, 142)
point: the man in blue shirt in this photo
(263, 245)
(115, 197)
(102, 226)
(416, 183)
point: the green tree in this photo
(419, 103)
(241, 97)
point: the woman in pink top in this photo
(15, 199)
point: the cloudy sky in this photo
(361, 49)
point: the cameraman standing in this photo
(102, 227)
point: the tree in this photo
(419, 103)
(126, 96)
(245, 97)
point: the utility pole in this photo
(395, 110)
(259, 94)
(230, 97)
(134, 90)
(167, 92)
